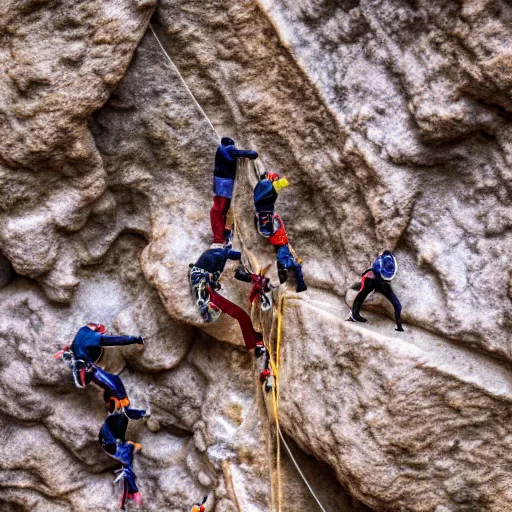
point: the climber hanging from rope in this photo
(223, 182)
(377, 278)
(204, 280)
(286, 259)
(265, 196)
(112, 438)
(85, 352)
(271, 226)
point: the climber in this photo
(377, 279)
(265, 196)
(84, 353)
(260, 286)
(223, 181)
(286, 260)
(204, 279)
(112, 438)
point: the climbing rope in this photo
(300, 472)
(274, 360)
(183, 81)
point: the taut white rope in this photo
(183, 81)
(300, 472)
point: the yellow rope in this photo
(274, 360)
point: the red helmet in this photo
(97, 327)
(272, 176)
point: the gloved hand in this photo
(140, 340)
(242, 275)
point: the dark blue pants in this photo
(286, 261)
(112, 438)
(370, 284)
(114, 390)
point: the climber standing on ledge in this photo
(223, 181)
(377, 279)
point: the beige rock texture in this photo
(391, 120)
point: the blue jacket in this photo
(88, 344)
(214, 260)
(265, 196)
(226, 157)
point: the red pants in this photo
(218, 215)
(251, 337)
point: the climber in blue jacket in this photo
(84, 353)
(223, 181)
(214, 260)
(204, 279)
(90, 340)
(377, 278)
(265, 197)
(112, 438)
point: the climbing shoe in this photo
(357, 318)
(136, 446)
(228, 237)
(259, 349)
(136, 497)
(135, 414)
(301, 287)
(399, 328)
(282, 273)
(269, 384)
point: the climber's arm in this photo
(119, 341)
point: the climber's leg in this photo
(115, 395)
(113, 440)
(286, 261)
(368, 284)
(110, 383)
(112, 430)
(251, 337)
(130, 489)
(218, 215)
(266, 376)
(387, 291)
(301, 284)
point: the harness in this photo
(202, 282)
(79, 368)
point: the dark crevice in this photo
(7, 273)
(322, 479)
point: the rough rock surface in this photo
(391, 120)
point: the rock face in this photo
(391, 120)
